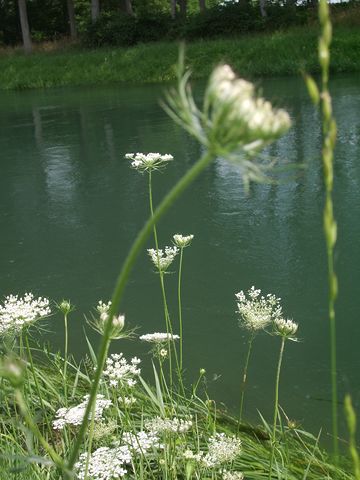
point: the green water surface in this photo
(70, 207)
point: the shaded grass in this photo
(279, 53)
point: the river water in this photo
(70, 207)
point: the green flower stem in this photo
(65, 358)
(180, 310)
(330, 227)
(243, 385)
(161, 276)
(276, 405)
(121, 282)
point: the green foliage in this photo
(281, 53)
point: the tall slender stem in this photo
(243, 385)
(276, 405)
(180, 310)
(330, 227)
(121, 282)
(65, 357)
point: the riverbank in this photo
(279, 53)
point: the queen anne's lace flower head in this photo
(121, 373)
(221, 449)
(163, 259)
(232, 475)
(182, 241)
(285, 328)
(257, 311)
(150, 161)
(142, 441)
(160, 425)
(105, 464)
(19, 312)
(158, 337)
(75, 415)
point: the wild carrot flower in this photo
(221, 449)
(105, 464)
(158, 337)
(163, 259)
(182, 241)
(234, 123)
(285, 328)
(120, 372)
(117, 325)
(151, 161)
(232, 475)
(141, 442)
(18, 312)
(257, 311)
(75, 415)
(159, 425)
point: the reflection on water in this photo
(70, 207)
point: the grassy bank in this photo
(280, 53)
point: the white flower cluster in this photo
(221, 449)
(121, 373)
(237, 117)
(159, 425)
(104, 464)
(232, 475)
(75, 415)
(182, 241)
(257, 311)
(285, 328)
(158, 337)
(163, 259)
(142, 441)
(127, 401)
(18, 312)
(151, 161)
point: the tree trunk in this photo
(24, 22)
(71, 14)
(262, 8)
(202, 5)
(95, 10)
(183, 8)
(128, 7)
(173, 8)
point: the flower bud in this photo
(285, 328)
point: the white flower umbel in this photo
(285, 328)
(160, 425)
(121, 373)
(18, 312)
(158, 337)
(232, 475)
(150, 161)
(141, 442)
(257, 311)
(75, 415)
(221, 449)
(234, 123)
(103, 308)
(236, 116)
(163, 259)
(98, 322)
(104, 464)
(182, 241)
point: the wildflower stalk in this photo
(251, 340)
(135, 249)
(330, 227)
(161, 274)
(65, 357)
(180, 310)
(276, 405)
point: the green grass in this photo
(279, 53)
